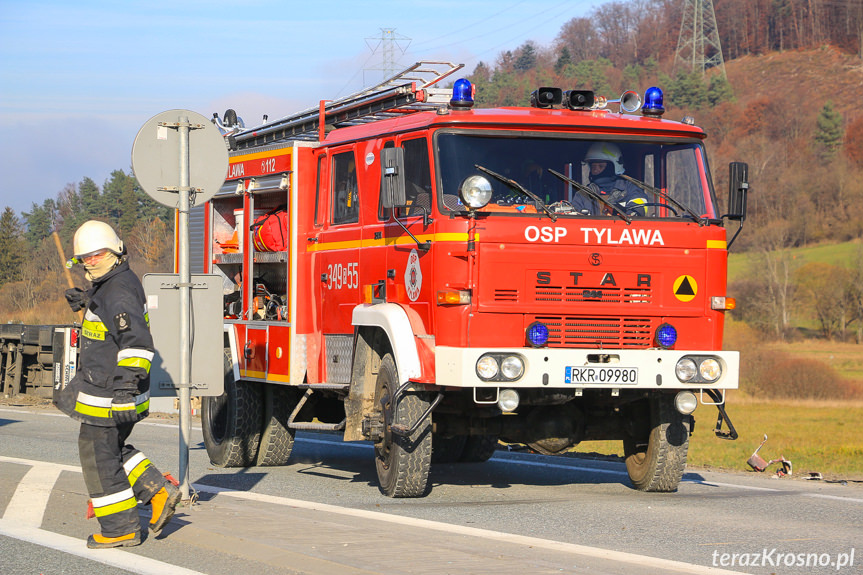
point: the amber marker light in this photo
(453, 297)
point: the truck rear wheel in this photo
(277, 439)
(402, 463)
(231, 422)
(656, 461)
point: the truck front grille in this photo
(598, 332)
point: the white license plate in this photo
(602, 375)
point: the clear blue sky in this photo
(78, 79)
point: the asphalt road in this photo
(323, 514)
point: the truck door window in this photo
(320, 187)
(345, 196)
(417, 178)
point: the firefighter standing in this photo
(111, 392)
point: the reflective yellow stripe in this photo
(393, 241)
(135, 362)
(716, 244)
(85, 409)
(138, 471)
(130, 503)
(142, 407)
(94, 330)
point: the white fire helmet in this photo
(605, 152)
(93, 236)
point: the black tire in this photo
(656, 462)
(231, 422)
(277, 440)
(402, 463)
(447, 449)
(478, 448)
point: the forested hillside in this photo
(787, 102)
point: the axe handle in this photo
(66, 271)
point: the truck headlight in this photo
(685, 369)
(710, 370)
(487, 367)
(512, 367)
(475, 192)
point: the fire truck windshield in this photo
(641, 178)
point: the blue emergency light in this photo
(666, 335)
(653, 102)
(462, 94)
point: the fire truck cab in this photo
(434, 278)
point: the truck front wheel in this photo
(402, 462)
(232, 422)
(655, 461)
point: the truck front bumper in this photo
(544, 368)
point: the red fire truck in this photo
(435, 278)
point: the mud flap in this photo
(721, 417)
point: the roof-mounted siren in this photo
(653, 102)
(579, 99)
(546, 97)
(629, 102)
(462, 94)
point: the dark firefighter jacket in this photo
(116, 351)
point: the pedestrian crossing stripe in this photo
(685, 288)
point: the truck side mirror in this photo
(392, 177)
(738, 187)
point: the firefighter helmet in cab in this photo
(93, 236)
(605, 152)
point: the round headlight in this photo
(507, 400)
(512, 367)
(685, 369)
(487, 367)
(475, 192)
(685, 402)
(710, 369)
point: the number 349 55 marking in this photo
(343, 276)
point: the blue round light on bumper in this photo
(666, 335)
(537, 334)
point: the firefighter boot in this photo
(99, 541)
(164, 502)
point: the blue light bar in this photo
(666, 335)
(653, 102)
(462, 94)
(537, 334)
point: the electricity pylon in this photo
(387, 44)
(698, 45)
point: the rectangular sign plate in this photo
(602, 375)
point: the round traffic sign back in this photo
(156, 157)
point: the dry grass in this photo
(820, 436)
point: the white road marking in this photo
(28, 504)
(640, 561)
(113, 557)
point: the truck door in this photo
(412, 265)
(338, 248)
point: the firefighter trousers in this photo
(117, 476)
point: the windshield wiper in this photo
(660, 194)
(593, 196)
(518, 187)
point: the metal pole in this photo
(185, 312)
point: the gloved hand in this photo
(123, 408)
(77, 298)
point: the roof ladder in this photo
(411, 90)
